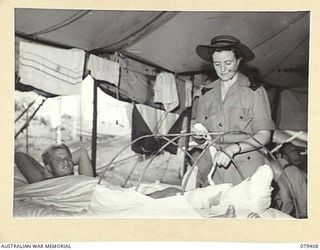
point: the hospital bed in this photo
(83, 196)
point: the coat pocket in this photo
(208, 120)
(240, 119)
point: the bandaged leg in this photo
(253, 194)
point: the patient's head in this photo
(59, 159)
(291, 153)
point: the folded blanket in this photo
(56, 71)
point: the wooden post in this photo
(94, 128)
(27, 133)
(86, 58)
(189, 118)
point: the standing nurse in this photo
(232, 103)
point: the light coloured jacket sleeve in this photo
(261, 111)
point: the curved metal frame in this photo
(134, 141)
(294, 199)
(195, 161)
(170, 141)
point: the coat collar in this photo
(242, 81)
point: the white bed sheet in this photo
(82, 196)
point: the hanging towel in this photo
(165, 91)
(56, 71)
(188, 93)
(103, 69)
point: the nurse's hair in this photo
(237, 52)
(47, 154)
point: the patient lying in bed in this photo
(219, 201)
(58, 162)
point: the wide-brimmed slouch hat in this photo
(227, 42)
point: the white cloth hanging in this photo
(54, 70)
(104, 69)
(165, 91)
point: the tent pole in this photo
(85, 73)
(94, 127)
(27, 133)
(189, 119)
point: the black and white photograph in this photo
(139, 114)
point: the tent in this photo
(157, 41)
(280, 40)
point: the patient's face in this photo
(61, 163)
(293, 155)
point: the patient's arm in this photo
(80, 157)
(29, 167)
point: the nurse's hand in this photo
(199, 129)
(221, 159)
(200, 133)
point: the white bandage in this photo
(213, 152)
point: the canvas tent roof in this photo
(167, 40)
(280, 40)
